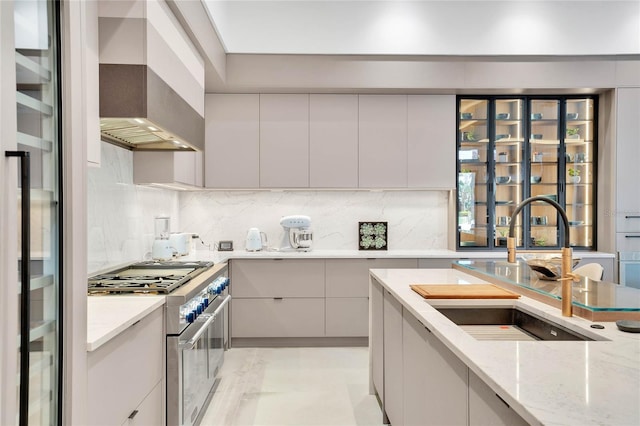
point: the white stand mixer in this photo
(297, 233)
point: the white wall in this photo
(120, 215)
(417, 219)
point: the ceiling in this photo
(427, 27)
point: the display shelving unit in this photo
(512, 148)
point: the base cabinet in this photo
(393, 387)
(418, 380)
(434, 379)
(149, 412)
(126, 392)
(278, 317)
(376, 339)
(486, 408)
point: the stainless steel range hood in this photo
(141, 112)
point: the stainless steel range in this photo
(196, 322)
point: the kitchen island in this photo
(536, 382)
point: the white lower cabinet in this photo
(434, 379)
(486, 408)
(376, 338)
(149, 412)
(347, 316)
(347, 291)
(418, 380)
(125, 375)
(277, 317)
(393, 386)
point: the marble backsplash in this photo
(416, 219)
(121, 214)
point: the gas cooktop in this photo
(151, 277)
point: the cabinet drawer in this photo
(347, 317)
(628, 241)
(277, 278)
(149, 412)
(125, 370)
(350, 277)
(287, 317)
(628, 222)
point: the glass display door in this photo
(512, 148)
(36, 206)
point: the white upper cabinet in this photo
(383, 141)
(431, 128)
(333, 141)
(627, 160)
(232, 141)
(284, 141)
(180, 169)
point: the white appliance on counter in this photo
(298, 235)
(180, 243)
(161, 249)
(255, 240)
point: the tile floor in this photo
(294, 386)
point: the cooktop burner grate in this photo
(146, 277)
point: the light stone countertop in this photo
(240, 253)
(551, 383)
(108, 316)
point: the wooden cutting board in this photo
(464, 291)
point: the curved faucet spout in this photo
(547, 200)
(566, 251)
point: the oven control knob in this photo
(199, 308)
(190, 317)
(205, 301)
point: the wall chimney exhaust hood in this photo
(139, 111)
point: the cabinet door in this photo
(382, 127)
(232, 141)
(284, 141)
(149, 412)
(347, 316)
(376, 338)
(628, 153)
(186, 168)
(434, 379)
(333, 141)
(393, 387)
(431, 123)
(277, 278)
(281, 317)
(116, 385)
(350, 277)
(486, 408)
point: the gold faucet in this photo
(567, 263)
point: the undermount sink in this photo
(508, 324)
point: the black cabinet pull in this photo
(632, 217)
(25, 280)
(278, 298)
(632, 236)
(133, 414)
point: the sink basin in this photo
(508, 324)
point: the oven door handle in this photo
(189, 344)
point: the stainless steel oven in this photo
(196, 323)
